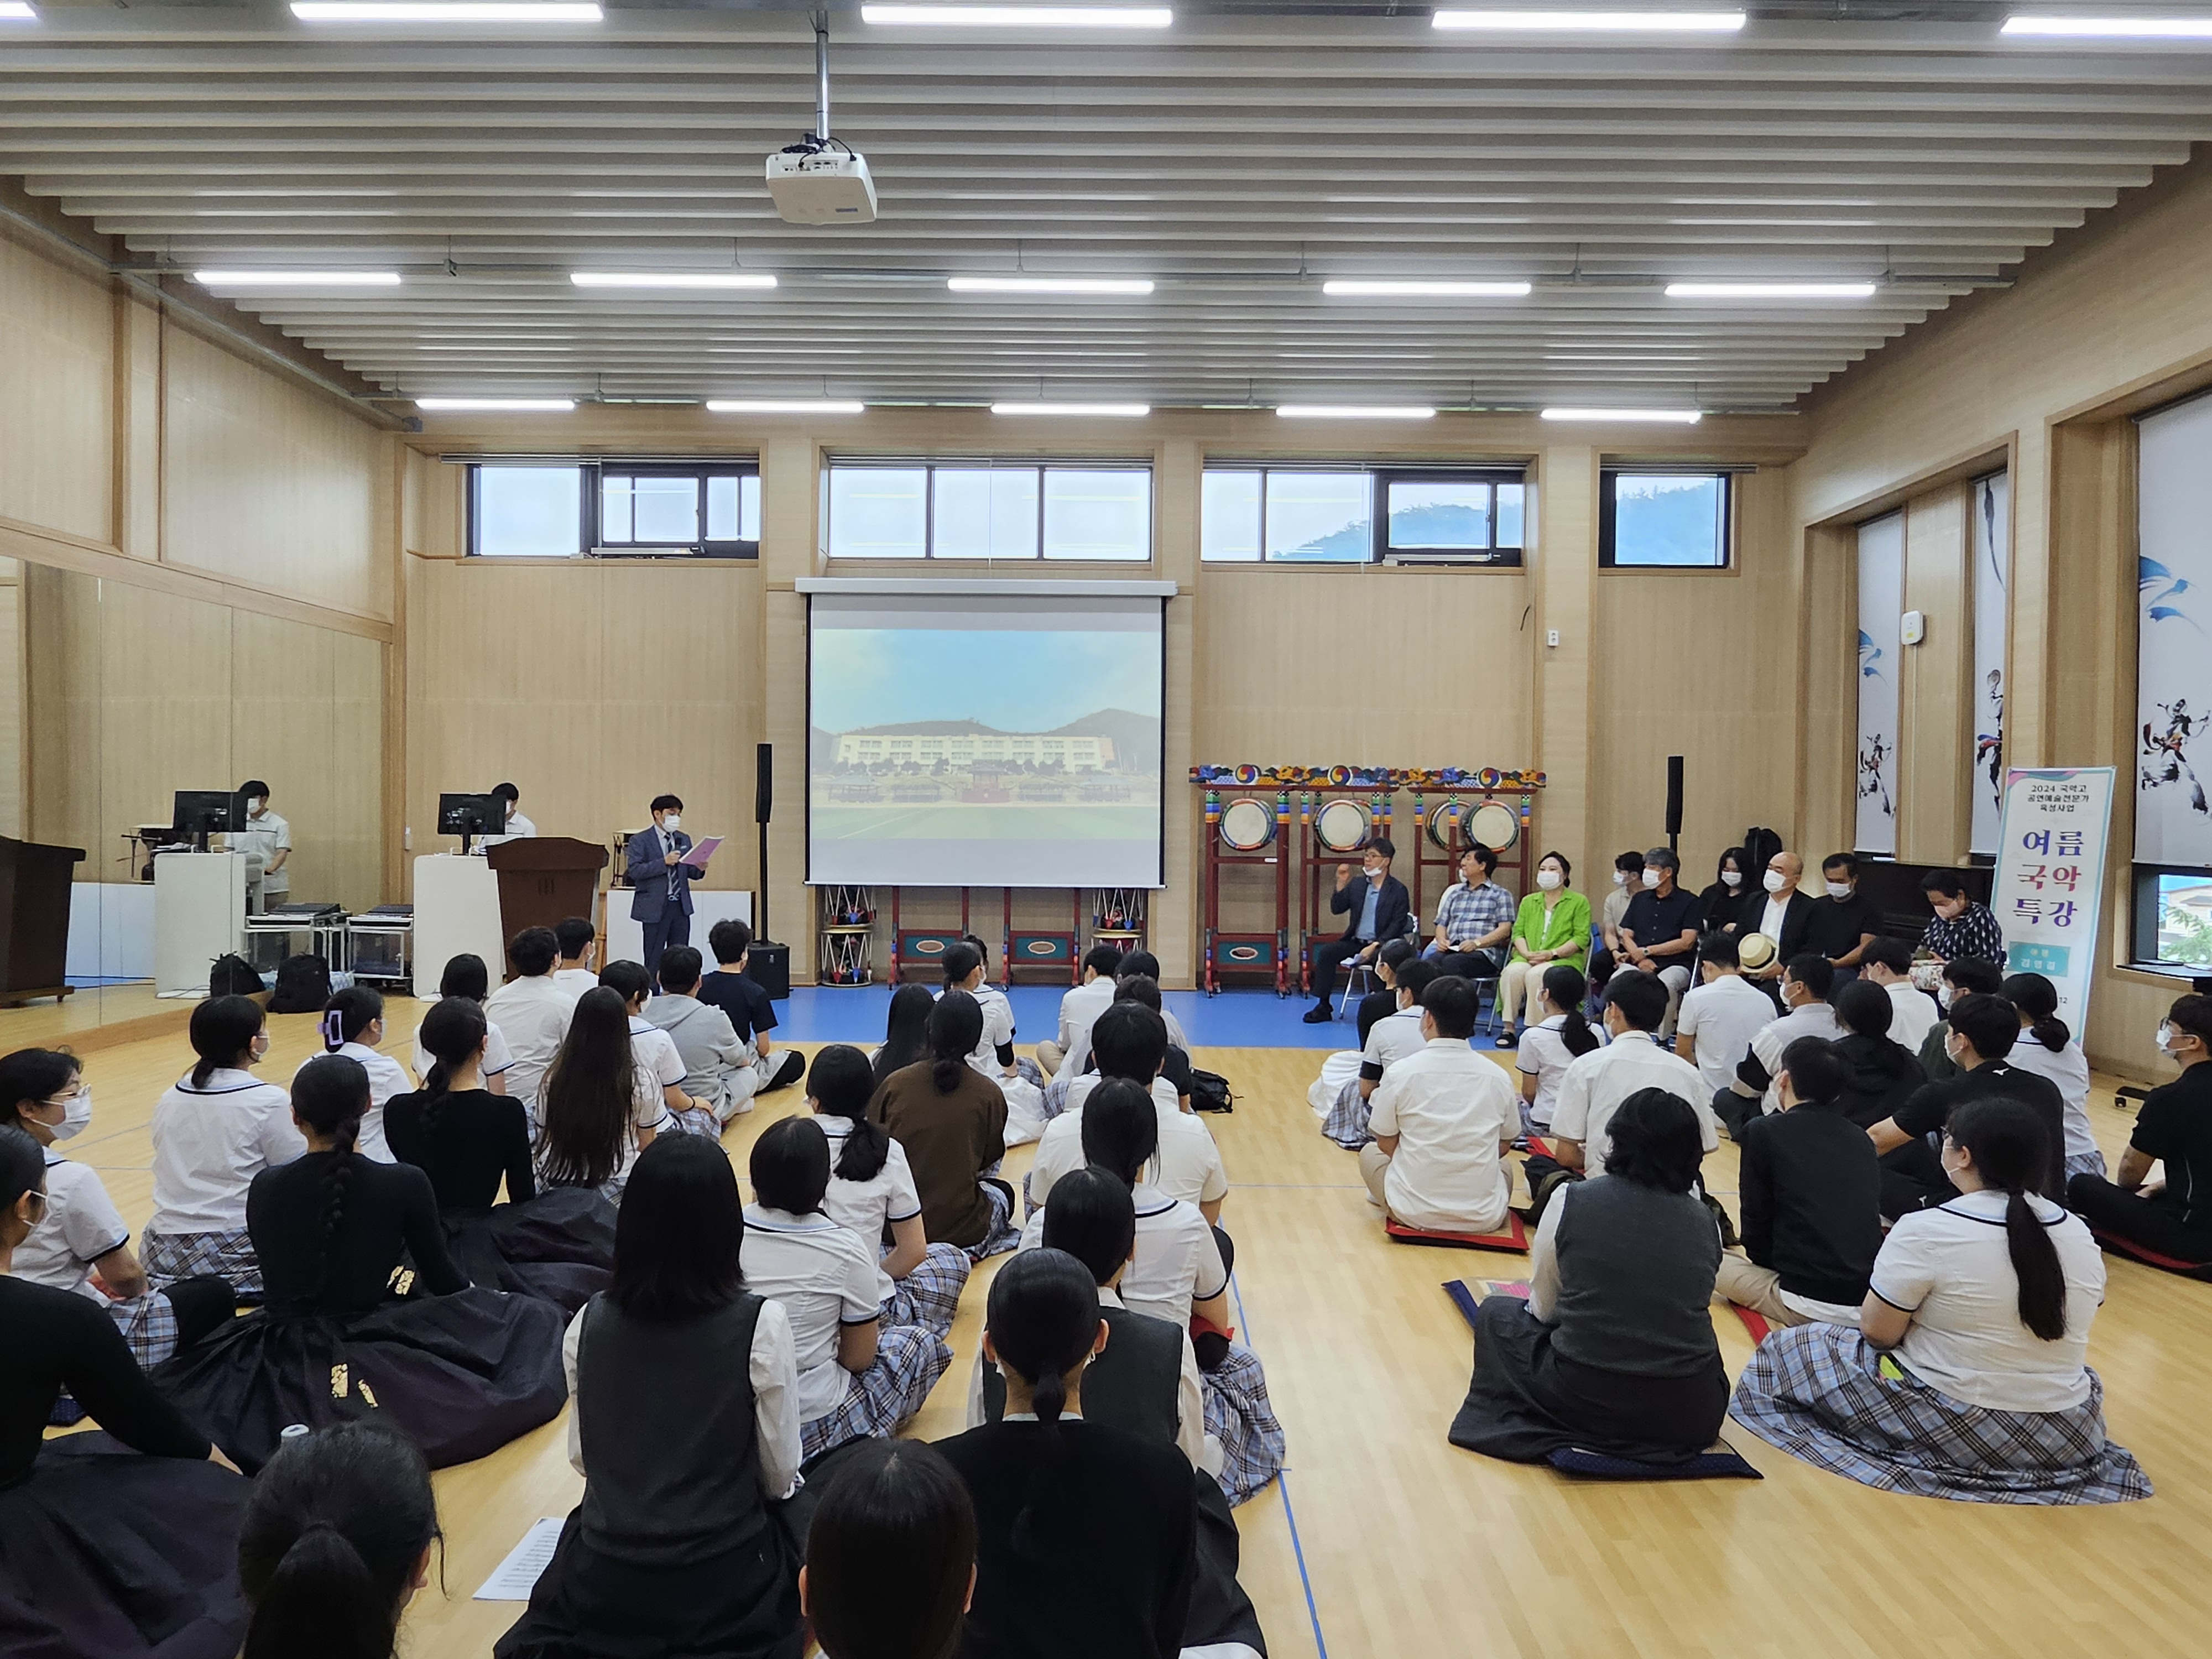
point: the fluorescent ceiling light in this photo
(296, 278)
(1770, 290)
(1360, 290)
(1049, 284)
(670, 279)
(2115, 28)
(1354, 412)
(18, 11)
(1659, 417)
(1594, 22)
(1023, 17)
(1127, 411)
(783, 406)
(446, 11)
(511, 405)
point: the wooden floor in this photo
(1385, 1540)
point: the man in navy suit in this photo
(1379, 907)
(661, 882)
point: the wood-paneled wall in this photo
(57, 386)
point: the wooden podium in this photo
(546, 879)
(34, 915)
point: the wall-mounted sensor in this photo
(1911, 627)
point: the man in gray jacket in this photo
(718, 1064)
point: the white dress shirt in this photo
(825, 1279)
(209, 1144)
(1177, 1260)
(533, 1014)
(386, 1077)
(1912, 1015)
(1077, 1008)
(498, 1060)
(1720, 1019)
(79, 1225)
(1189, 1166)
(865, 1208)
(1596, 1084)
(1449, 1108)
(1815, 1019)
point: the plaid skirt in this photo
(1003, 1234)
(1239, 1416)
(2087, 1163)
(1336, 1071)
(1818, 1392)
(149, 1325)
(1055, 1095)
(697, 1120)
(227, 1254)
(929, 1297)
(1346, 1122)
(908, 1362)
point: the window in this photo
(1663, 521)
(988, 510)
(549, 511)
(2173, 918)
(1324, 515)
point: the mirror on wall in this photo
(114, 699)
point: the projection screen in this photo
(985, 739)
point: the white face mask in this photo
(1775, 881)
(1547, 879)
(256, 807)
(1732, 878)
(672, 822)
(2163, 1047)
(1620, 878)
(1650, 879)
(76, 1114)
(1839, 890)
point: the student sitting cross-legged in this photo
(746, 1001)
(1340, 1070)
(1444, 1117)
(858, 1377)
(952, 1121)
(718, 1073)
(965, 969)
(1080, 1006)
(2174, 1217)
(1556, 1036)
(872, 1195)
(685, 1429)
(1807, 979)
(1967, 1377)
(601, 1105)
(1880, 1073)
(1810, 1191)
(2046, 1048)
(654, 1052)
(1086, 1534)
(1130, 1041)
(353, 1025)
(1388, 1040)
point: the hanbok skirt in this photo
(558, 1246)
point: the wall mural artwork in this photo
(2173, 674)
(1991, 530)
(1881, 597)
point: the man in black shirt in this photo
(746, 1001)
(1811, 1198)
(2175, 1125)
(1841, 926)
(1979, 1033)
(1659, 931)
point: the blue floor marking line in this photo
(1283, 1482)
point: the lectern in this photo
(544, 879)
(34, 914)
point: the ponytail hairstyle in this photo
(1565, 984)
(840, 1085)
(223, 1031)
(357, 1008)
(2012, 1154)
(2038, 998)
(906, 1031)
(589, 1095)
(1043, 1319)
(330, 1097)
(956, 1027)
(30, 1075)
(334, 1527)
(452, 1031)
(1120, 1129)
(889, 1555)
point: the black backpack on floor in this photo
(1210, 1092)
(234, 976)
(303, 985)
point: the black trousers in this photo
(1471, 964)
(2152, 1223)
(1326, 960)
(674, 927)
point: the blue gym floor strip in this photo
(1283, 1484)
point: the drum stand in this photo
(1246, 952)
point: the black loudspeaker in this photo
(768, 966)
(764, 782)
(1673, 794)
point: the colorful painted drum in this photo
(1444, 821)
(1494, 825)
(1341, 826)
(1247, 826)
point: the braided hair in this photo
(1043, 1325)
(956, 1027)
(330, 1097)
(454, 1031)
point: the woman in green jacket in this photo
(1553, 925)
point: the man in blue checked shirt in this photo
(1961, 927)
(1474, 920)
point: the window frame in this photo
(1381, 475)
(1606, 505)
(2143, 921)
(930, 466)
(590, 530)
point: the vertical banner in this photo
(2050, 878)
(2173, 652)
(1990, 536)
(1881, 598)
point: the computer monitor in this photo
(203, 812)
(470, 816)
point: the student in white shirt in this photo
(214, 1131)
(355, 1017)
(1888, 963)
(1135, 964)
(994, 1051)
(1594, 1085)
(466, 975)
(719, 1068)
(271, 837)
(1720, 1017)
(656, 1054)
(1560, 1036)
(1080, 1006)
(1389, 1039)
(1805, 982)
(598, 1107)
(515, 827)
(79, 1243)
(1129, 1042)
(531, 1013)
(858, 1378)
(1966, 1378)
(2047, 1049)
(578, 942)
(1443, 1120)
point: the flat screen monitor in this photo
(470, 816)
(203, 812)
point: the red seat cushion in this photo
(1514, 1237)
(2149, 1257)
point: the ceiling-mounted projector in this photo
(812, 183)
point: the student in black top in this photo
(461, 1372)
(2175, 1125)
(1979, 1032)
(335, 1542)
(1841, 926)
(1086, 1534)
(1879, 1077)
(891, 1555)
(558, 1245)
(746, 1001)
(101, 1554)
(1810, 1189)
(1963, 976)
(906, 1031)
